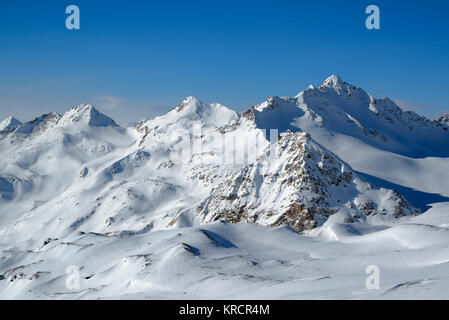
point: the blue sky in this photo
(135, 59)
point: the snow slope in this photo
(204, 202)
(233, 261)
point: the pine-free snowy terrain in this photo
(204, 202)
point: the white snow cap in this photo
(333, 81)
(9, 123)
(86, 114)
(189, 103)
(192, 109)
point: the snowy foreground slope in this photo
(291, 199)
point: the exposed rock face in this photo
(301, 184)
(443, 120)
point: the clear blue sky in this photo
(138, 58)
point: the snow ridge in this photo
(9, 124)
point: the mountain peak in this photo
(9, 123)
(443, 119)
(335, 84)
(334, 81)
(84, 107)
(86, 114)
(189, 102)
(192, 110)
(38, 124)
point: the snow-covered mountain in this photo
(301, 185)
(107, 175)
(75, 185)
(340, 115)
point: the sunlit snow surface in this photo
(241, 261)
(77, 192)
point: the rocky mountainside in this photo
(301, 184)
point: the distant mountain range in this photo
(289, 161)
